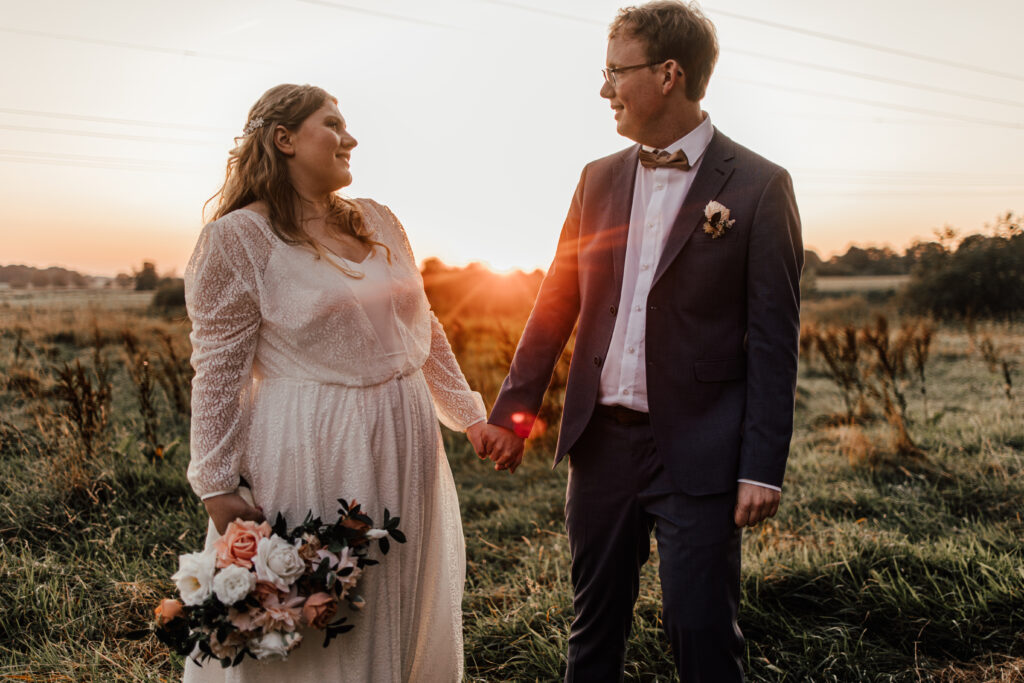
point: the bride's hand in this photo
(475, 433)
(228, 507)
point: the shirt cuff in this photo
(758, 483)
(476, 422)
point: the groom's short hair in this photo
(672, 29)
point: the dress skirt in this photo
(311, 443)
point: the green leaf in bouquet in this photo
(335, 629)
(385, 545)
(336, 545)
(360, 517)
(397, 535)
(240, 657)
(280, 526)
(345, 571)
(322, 569)
(366, 562)
(392, 523)
(343, 510)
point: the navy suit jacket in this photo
(722, 319)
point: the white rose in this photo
(274, 645)
(374, 534)
(194, 577)
(278, 562)
(233, 583)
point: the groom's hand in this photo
(754, 503)
(504, 447)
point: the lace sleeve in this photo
(223, 304)
(457, 405)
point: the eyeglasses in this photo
(610, 75)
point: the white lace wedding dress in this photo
(316, 386)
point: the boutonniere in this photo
(718, 221)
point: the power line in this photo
(868, 46)
(822, 67)
(86, 161)
(105, 119)
(546, 12)
(880, 79)
(376, 13)
(884, 105)
(134, 46)
(112, 136)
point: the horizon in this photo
(884, 144)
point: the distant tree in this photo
(984, 276)
(146, 279)
(124, 281)
(170, 294)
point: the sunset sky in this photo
(474, 117)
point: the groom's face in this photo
(636, 94)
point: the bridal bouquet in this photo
(259, 585)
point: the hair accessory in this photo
(253, 125)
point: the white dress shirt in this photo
(657, 197)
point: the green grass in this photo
(911, 570)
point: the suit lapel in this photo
(715, 169)
(620, 206)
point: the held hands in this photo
(755, 503)
(497, 443)
(228, 507)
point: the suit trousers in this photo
(618, 492)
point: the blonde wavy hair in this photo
(256, 171)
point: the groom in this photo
(679, 265)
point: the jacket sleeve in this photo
(547, 330)
(774, 261)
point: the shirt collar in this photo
(693, 143)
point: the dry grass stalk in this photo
(920, 347)
(808, 337)
(997, 362)
(841, 351)
(857, 447)
(175, 375)
(142, 381)
(86, 398)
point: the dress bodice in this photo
(262, 308)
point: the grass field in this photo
(882, 565)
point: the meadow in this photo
(896, 555)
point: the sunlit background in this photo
(474, 117)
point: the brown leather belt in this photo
(623, 415)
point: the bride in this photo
(319, 368)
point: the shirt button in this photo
(659, 186)
(638, 308)
(632, 349)
(626, 392)
(645, 266)
(613, 310)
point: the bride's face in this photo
(319, 151)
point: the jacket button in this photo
(613, 310)
(653, 307)
(598, 360)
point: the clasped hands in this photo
(501, 445)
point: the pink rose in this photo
(319, 610)
(238, 544)
(280, 613)
(167, 610)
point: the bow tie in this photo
(662, 159)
